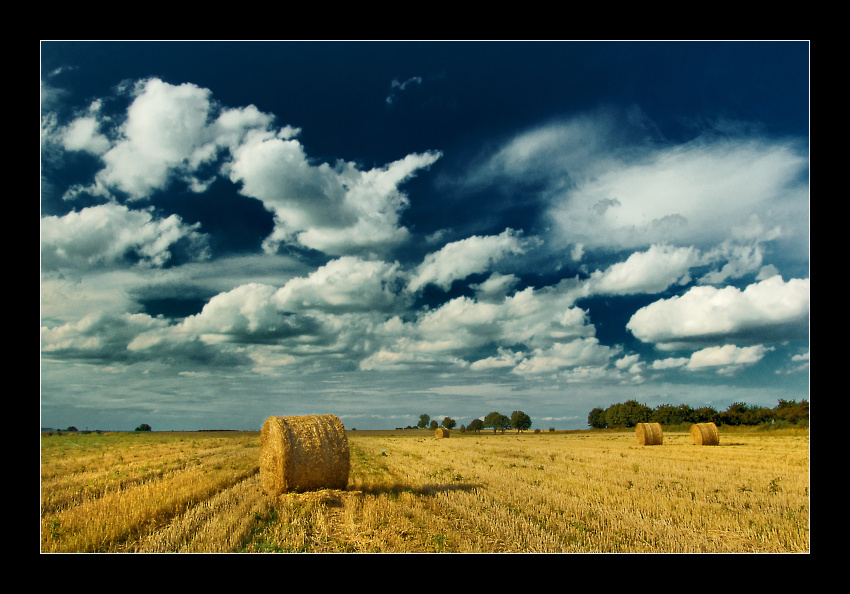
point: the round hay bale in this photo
(649, 434)
(441, 432)
(303, 453)
(705, 434)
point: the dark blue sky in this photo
(384, 229)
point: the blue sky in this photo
(380, 230)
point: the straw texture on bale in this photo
(649, 434)
(303, 453)
(705, 434)
(441, 432)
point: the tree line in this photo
(631, 412)
(495, 421)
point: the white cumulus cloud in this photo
(459, 259)
(107, 234)
(726, 357)
(772, 309)
(651, 271)
(336, 209)
(344, 284)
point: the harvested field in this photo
(408, 492)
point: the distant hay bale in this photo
(649, 434)
(303, 453)
(441, 432)
(705, 434)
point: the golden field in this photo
(562, 492)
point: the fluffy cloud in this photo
(648, 272)
(690, 194)
(504, 359)
(459, 259)
(83, 134)
(333, 309)
(608, 181)
(456, 330)
(770, 309)
(724, 359)
(110, 234)
(335, 209)
(113, 339)
(97, 335)
(169, 132)
(727, 357)
(246, 310)
(345, 284)
(495, 287)
(178, 132)
(164, 126)
(582, 353)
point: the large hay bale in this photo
(303, 453)
(649, 434)
(705, 434)
(441, 432)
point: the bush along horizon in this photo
(631, 412)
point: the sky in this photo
(380, 230)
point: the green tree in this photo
(143, 427)
(627, 414)
(668, 414)
(792, 412)
(434, 424)
(706, 414)
(520, 421)
(423, 421)
(497, 422)
(475, 425)
(735, 414)
(448, 423)
(759, 415)
(596, 418)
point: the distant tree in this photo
(627, 414)
(739, 413)
(706, 414)
(596, 418)
(735, 414)
(449, 423)
(758, 415)
(423, 421)
(143, 427)
(71, 428)
(792, 412)
(434, 424)
(497, 422)
(667, 414)
(475, 425)
(520, 421)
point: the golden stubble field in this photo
(574, 492)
